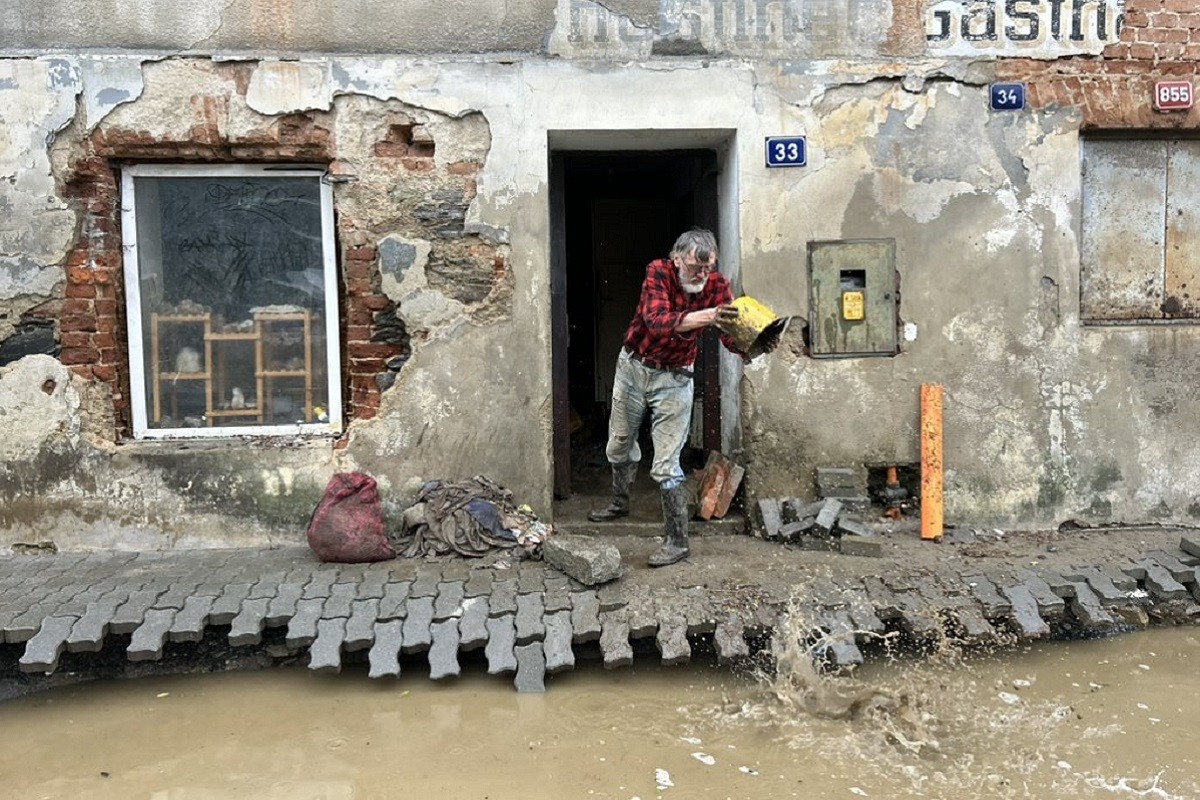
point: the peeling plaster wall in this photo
(1045, 418)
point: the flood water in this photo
(1107, 718)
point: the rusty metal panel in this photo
(1124, 209)
(841, 274)
(1183, 230)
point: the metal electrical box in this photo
(852, 297)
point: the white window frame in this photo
(133, 300)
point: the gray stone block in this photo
(558, 594)
(395, 600)
(372, 585)
(504, 598)
(995, 605)
(266, 586)
(839, 638)
(341, 595)
(479, 584)
(1190, 544)
(1088, 610)
(227, 605)
(426, 583)
(730, 639)
(283, 604)
(1160, 583)
(850, 525)
(530, 623)
(472, 627)
(190, 621)
(416, 624)
(830, 510)
(384, 656)
(531, 577)
(500, 650)
(147, 641)
(320, 584)
(43, 650)
(128, 617)
(443, 652)
(302, 628)
(1024, 613)
(559, 655)
(854, 545)
(585, 616)
(531, 668)
(589, 560)
(611, 596)
(772, 517)
(672, 640)
(87, 635)
(360, 627)
(449, 600)
(614, 639)
(795, 530)
(325, 653)
(643, 614)
(247, 627)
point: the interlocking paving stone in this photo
(1160, 583)
(128, 617)
(373, 583)
(1050, 605)
(190, 621)
(426, 583)
(43, 650)
(531, 579)
(416, 624)
(228, 604)
(672, 639)
(504, 598)
(1179, 571)
(247, 627)
(995, 606)
(917, 615)
(479, 584)
(611, 596)
(1024, 613)
(341, 595)
(558, 594)
(614, 638)
(302, 628)
(530, 612)
(698, 611)
(1100, 583)
(176, 595)
(448, 603)
(502, 634)
(862, 612)
(881, 597)
(1057, 582)
(472, 628)
(839, 637)
(23, 627)
(443, 652)
(320, 584)
(1087, 608)
(585, 616)
(1190, 544)
(384, 656)
(283, 605)
(325, 653)
(394, 604)
(559, 655)
(643, 619)
(87, 635)
(1119, 577)
(531, 668)
(968, 617)
(266, 586)
(147, 641)
(730, 639)
(457, 570)
(360, 628)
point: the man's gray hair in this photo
(698, 241)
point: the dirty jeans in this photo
(637, 389)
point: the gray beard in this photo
(691, 288)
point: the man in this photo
(681, 296)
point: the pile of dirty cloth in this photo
(472, 518)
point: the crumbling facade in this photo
(1042, 256)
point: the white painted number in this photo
(787, 151)
(1006, 97)
(1178, 93)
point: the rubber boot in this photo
(618, 506)
(675, 528)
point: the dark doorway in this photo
(612, 213)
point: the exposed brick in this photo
(78, 322)
(365, 253)
(81, 290)
(376, 302)
(415, 164)
(1141, 51)
(104, 372)
(1189, 20)
(463, 167)
(79, 355)
(1170, 50)
(358, 333)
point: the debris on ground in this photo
(821, 525)
(471, 518)
(717, 484)
(587, 559)
(347, 525)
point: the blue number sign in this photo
(1007, 96)
(786, 151)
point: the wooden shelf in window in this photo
(234, 412)
(185, 376)
(283, 373)
(232, 337)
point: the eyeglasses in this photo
(691, 265)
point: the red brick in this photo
(1177, 36)
(357, 314)
(1142, 52)
(1189, 20)
(414, 164)
(375, 302)
(1179, 5)
(104, 372)
(463, 167)
(81, 291)
(77, 339)
(78, 322)
(371, 350)
(106, 308)
(1135, 18)
(79, 355)
(358, 333)
(1170, 50)
(105, 340)
(364, 253)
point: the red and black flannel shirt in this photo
(652, 333)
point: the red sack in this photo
(347, 525)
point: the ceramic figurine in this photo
(187, 360)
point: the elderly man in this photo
(681, 296)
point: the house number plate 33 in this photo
(786, 151)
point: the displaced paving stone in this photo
(360, 627)
(1099, 582)
(672, 640)
(129, 616)
(531, 668)
(246, 628)
(384, 656)
(394, 604)
(302, 628)
(969, 619)
(449, 600)
(147, 641)
(416, 624)
(283, 605)
(869, 546)
(1160, 583)
(1190, 544)
(44, 649)
(504, 598)
(558, 594)
(479, 584)
(87, 635)
(1057, 582)
(472, 628)
(698, 610)
(443, 652)
(190, 621)
(830, 510)
(1179, 571)
(530, 625)
(502, 634)
(557, 645)
(1024, 613)
(589, 560)
(614, 639)
(730, 639)
(585, 616)
(839, 638)
(796, 530)
(1087, 609)
(1050, 605)
(325, 653)
(995, 606)
(862, 612)
(226, 605)
(772, 517)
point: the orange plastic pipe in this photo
(931, 461)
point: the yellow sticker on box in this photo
(852, 305)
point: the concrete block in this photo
(190, 621)
(530, 623)
(558, 594)
(614, 639)
(830, 510)
(426, 583)
(589, 560)
(794, 530)
(43, 650)
(532, 576)
(531, 668)
(360, 627)
(472, 626)
(504, 598)
(585, 616)
(854, 545)
(502, 633)
(325, 653)
(479, 584)
(246, 628)
(672, 640)
(341, 595)
(283, 605)
(730, 639)
(449, 600)
(384, 656)
(147, 641)
(557, 645)
(87, 635)
(416, 624)
(772, 517)
(848, 524)
(1024, 612)
(1086, 607)
(302, 627)
(443, 652)
(394, 603)
(1190, 544)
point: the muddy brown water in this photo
(1104, 718)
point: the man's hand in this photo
(726, 317)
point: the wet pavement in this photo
(60, 614)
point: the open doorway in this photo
(612, 213)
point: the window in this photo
(1141, 230)
(232, 300)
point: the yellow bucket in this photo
(756, 329)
